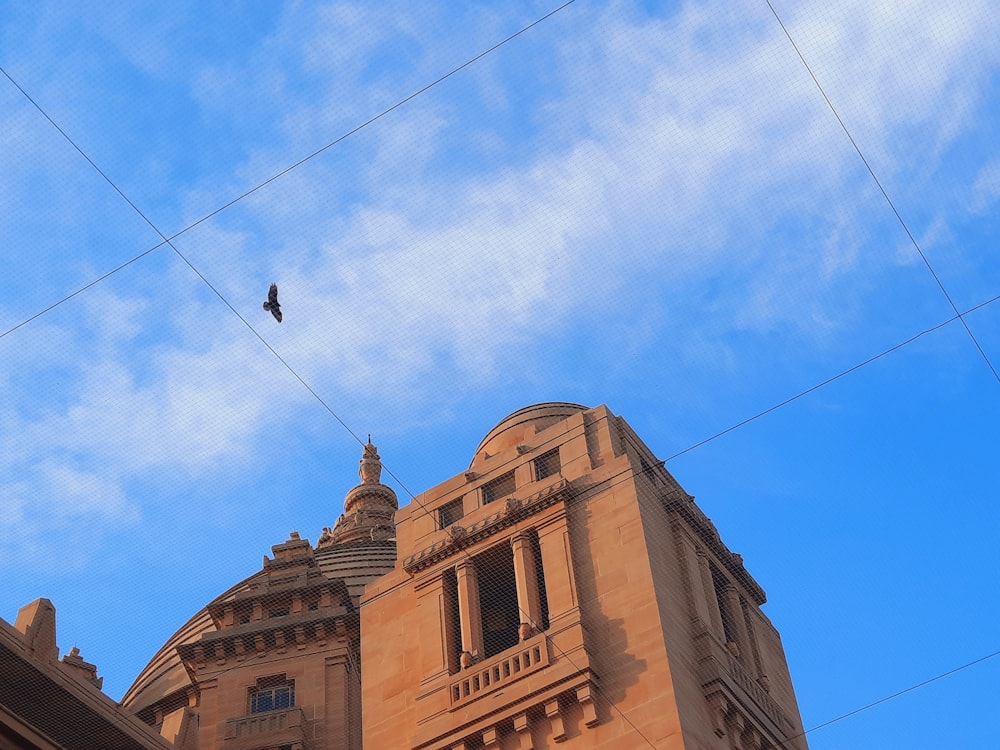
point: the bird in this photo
(272, 302)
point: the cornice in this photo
(512, 511)
(683, 504)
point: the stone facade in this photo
(651, 633)
(563, 590)
(48, 703)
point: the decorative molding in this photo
(513, 510)
(683, 504)
(481, 679)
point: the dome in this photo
(164, 680)
(512, 429)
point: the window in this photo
(271, 694)
(498, 626)
(453, 628)
(498, 599)
(501, 487)
(729, 631)
(450, 513)
(547, 465)
(536, 551)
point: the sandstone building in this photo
(563, 590)
(48, 703)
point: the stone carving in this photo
(456, 532)
(371, 464)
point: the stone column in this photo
(734, 610)
(468, 612)
(710, 597)
(557, 562)
(526, 577)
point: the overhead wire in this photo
(168, 241)
(897, 694)
(742, 423)
(885, 194)
(832, 378)
(269, 180)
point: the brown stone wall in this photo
(654, 634)
(605, 622)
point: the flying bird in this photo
(272, 302)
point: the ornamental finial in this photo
(371, 464)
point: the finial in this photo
(371, 464)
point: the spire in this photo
(369, 508)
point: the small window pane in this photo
(450, 513)
(268, 696)
(501, 487)
(547, 465)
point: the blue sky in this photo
(646, 205)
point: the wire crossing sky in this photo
(909, 234)
(644, 206)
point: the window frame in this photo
(444, 510)
(497, 488)
(271, 687)
(546, 460)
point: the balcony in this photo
(723, 676)
(265, 730)
(480, 679)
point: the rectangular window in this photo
(272, 694)
(498, 599)
(543, 600)
(547, 465)
(499, 488)
(450, 513)
(453, 625)
(721, 584)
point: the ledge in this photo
(499, 671)
(265, 730)
(511, 511)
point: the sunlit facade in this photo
(562, 589)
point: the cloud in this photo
(51, 499)
(986, 188)
(678, 159)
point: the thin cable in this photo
(895, 695)
(167, 241)
(721, 433)
(83, 288)
(269, 180)
(829, 380)
(885, 195)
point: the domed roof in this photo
(165, 677)
(511, 429)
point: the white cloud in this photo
(986, 188)
(668, 152)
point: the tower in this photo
(562, 589)
(565, 589)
